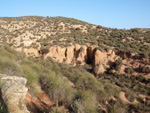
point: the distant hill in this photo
(65, 31)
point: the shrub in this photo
(129, 70)
(98, 27)
(140, 78)
(85, 103)
(116, 107)
(146, 69)
(32, 71)
(118, 63)
(110, 90)
(58, 89)
(87, 82)
(43, 51)
(9, 67)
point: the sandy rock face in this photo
(78, 54)
(103, 60)
(69, 54)
(99, 69)
(104, 57)
(82, 55)
(13, 92)
(90, 54)
(57, 53)
(100, 58)
(31, 52)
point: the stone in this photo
(31, 52)
(13, 93)
(69, 54)
(82, 55)
(57, 53)
(99, 69)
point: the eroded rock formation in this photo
(79, 54)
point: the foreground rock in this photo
(13, 92)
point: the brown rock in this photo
(57, 53)
(82, 55)
(69, 54)
(31, 52)
(99, 69)
(100, 58)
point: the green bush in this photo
(32, 71)
(10, 67)
(86, 102)
(129, 70)
(140, 78)
(87, 82)
(59, 89)
(117, 64)
(9, 62)
(146, 69)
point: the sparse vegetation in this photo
(75, 87)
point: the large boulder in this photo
(99, 69)
(13, 93)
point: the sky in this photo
(121, 14)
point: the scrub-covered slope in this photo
(73, 66)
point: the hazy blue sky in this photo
(108, 13)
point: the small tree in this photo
(146, 69)
(129, 70)
(118, 63)
(43, 51)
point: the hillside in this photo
(76, 67)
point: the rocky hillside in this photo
(68, 63)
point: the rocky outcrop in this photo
(39, 103)
(99, 69)
(104, 58)
(125, 100)
(57, 53)
(31, 52)
(13, 93)
(82, 55)
(69, 54)
(78, 54)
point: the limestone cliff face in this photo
(31, 52)
(69, 54)
(13, 92)
(57, 53)
(78, 54)
(104, 57)
(81, 54)
(103, 60)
